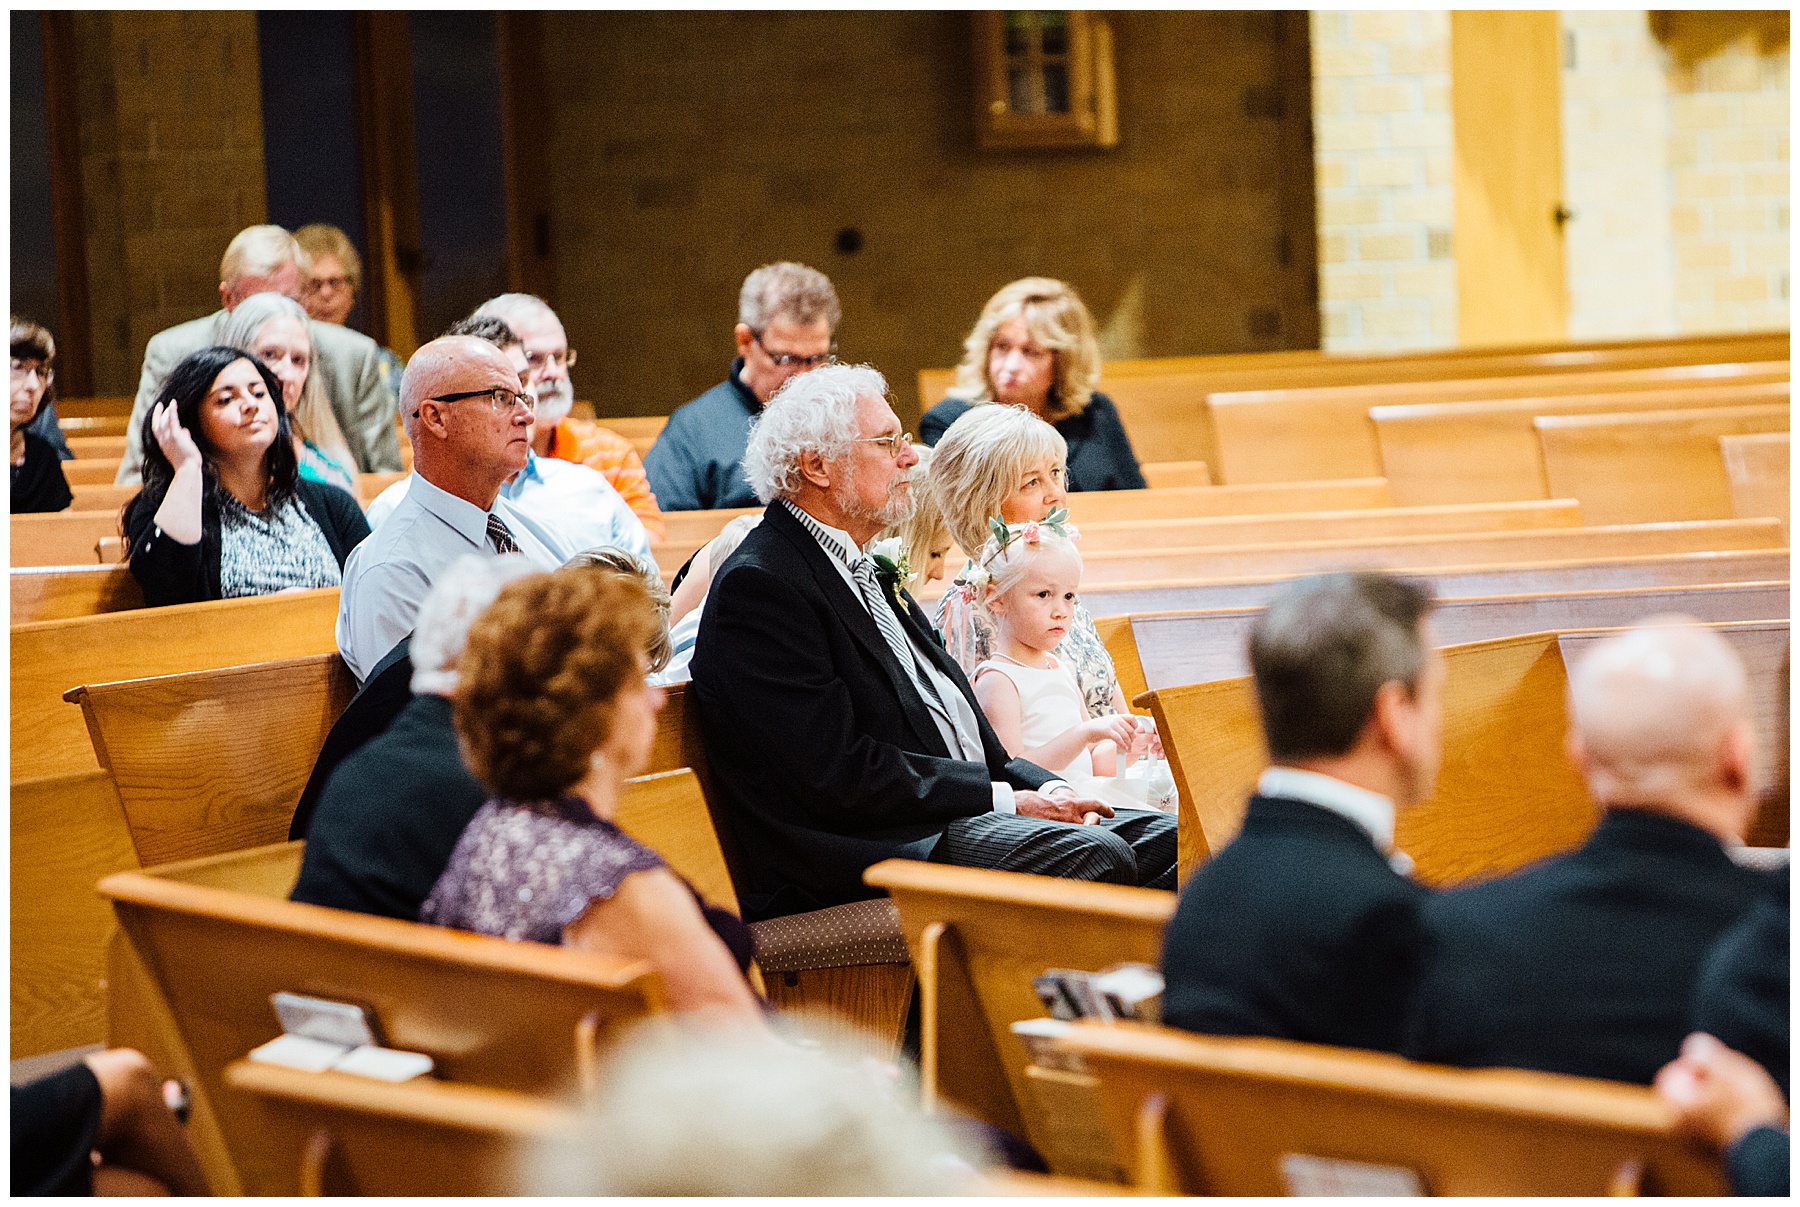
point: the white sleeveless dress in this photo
(1050, 704)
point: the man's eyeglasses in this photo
(501, 399)
(538, 361)
(896, 444)
(789, 360)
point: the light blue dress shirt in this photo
(388, 576)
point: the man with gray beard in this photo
(583, 441)
(839, 731)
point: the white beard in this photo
(554, 398)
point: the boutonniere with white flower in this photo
(891, 565)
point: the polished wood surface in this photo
(369, 486)
(103, 497)
(977, 938)
(1121, 646)
(1192, 502)
(667, 813)
(1159, 475)
(211, 761)
(1218, 1115)
(61, 538)
(96, 471)
(49, 657)
(1756, 471)
(96, 446)
(67, 831)
(63, 592)
(1114, 536)
(1648, 466)
(490, 1012)
(1472, 452)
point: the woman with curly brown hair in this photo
(553, 715)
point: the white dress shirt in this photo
(1371, 812)
(956, 721)
(388, 576)
(576, 499)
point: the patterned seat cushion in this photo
(862, 932)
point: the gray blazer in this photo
(350, 361)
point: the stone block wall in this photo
(1382, 151)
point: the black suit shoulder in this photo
(1298, 929)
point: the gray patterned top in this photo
(281, 546)
(969, 635)
(525, 873)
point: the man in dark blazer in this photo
(392, 811)
(839, 731)
(1305, 926)
(1587, 962)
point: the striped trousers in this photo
(1134, 846)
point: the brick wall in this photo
(170, 112)
(687, 148)
(1382, 138)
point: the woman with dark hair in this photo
(37, 477)
(224, 511)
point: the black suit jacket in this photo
(1741, 996)
(371, 710)
(1584, 963)
(390, 816)
(826, 756)
(1298, 929)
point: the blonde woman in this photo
(923, 541)
(1004, 461)
(276, 329)
(1034, 347)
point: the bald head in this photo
(1660, 718)
(446, 366)
(463, 446)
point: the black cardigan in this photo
(1100, 455)
(173, 573)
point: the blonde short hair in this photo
(977, 464)
(1057, 319)
(918, 534)
(324, 239)
(260, 250)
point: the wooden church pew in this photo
(64, 592)
(112, 405)
(1471, 452)
(523, 1017)
(211, 761)
(1227, 1115)
(101, 496)
(1171, 474)
(1277, 435)
(1505, 793)
(1648, 466)
(63, 538)
(91, 471)
(1143, 536)
(1101, 569)
(1756, 469)
(977, 938)
(1593, 574)
(50, 657)
(94, 425)
(1192, 502)
(1168, 649)
(96, 446)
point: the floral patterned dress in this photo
(971, 637)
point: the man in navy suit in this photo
(1305, 926)
(838, 730)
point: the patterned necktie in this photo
(500, 536)
(875, 598)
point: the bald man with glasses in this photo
(787, 323)
(469, 421)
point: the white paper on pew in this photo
(318, 1056)
(299, 1052)
(1316, 1177)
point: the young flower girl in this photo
(1028, 575)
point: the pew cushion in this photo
(862, 932)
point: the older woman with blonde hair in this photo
(1034, 347)
(1005, 462)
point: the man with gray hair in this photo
(391, 813)
(1587, 962)
(266, 259)
(1305, 926)
(787, 323)
(839, 731)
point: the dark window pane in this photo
(1018, 87)
(33, 229)
(1018, 33)
(1056, 88)
(1056, 32)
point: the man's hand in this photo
(1720, 1094)
(1064, 806)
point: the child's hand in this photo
(1118, 729)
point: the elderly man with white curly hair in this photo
(838, 729)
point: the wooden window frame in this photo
(1093, 116)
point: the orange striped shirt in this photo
(587, 443)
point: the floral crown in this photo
(976, 574)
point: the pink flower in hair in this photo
(1031, 532)
(1072, 532)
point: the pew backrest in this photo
(978, 937)
(667, 812)
(49, 657)
(517, 1016)
(1648, 466)
(1756, 470)
(62, 592)
(62, 538)
(1471, 452)
(1113, 536)
(91, 471)
(1220, 1115)
(211, 761)
(1193, 502)
(1173, 474)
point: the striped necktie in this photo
(875, 599)
(500, 536)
